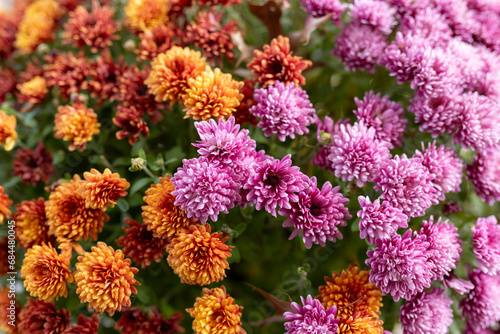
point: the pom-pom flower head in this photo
(39, 317)
(8, 132)
(317, 214)
(284, 109)
(33, 166)
(45, 273)
(33, 91)
(31, 223)
(104, 279)
(486, 244)
(5, 202)
(102, 189)
(311, 314)
(132, 123)
(216, 312)
(76, 124)
(144, 15)
(199, 256)
(485, 175)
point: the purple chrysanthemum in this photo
(355, 154)
(360, 46)
(204, 188)
(312, 318)
(444, 165)
(459, 17)
(407, 185)
(223, 142)
(445, 247)
(379, 221)
(400, 265)
(386, 116)
(428, 23)
(427, 312)
(245, 168)
(284, 110)
(275, 183)
(485, 175)
(317, 214)
(458, 284)
(377, 14)
(326, 130)
(481, 307)
(486, 244)
(319, 8)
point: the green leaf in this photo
(122, 205)
(139, 184)
(142, 154)
(235, 255)
(240, 228)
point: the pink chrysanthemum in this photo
(486, 242)
(427, 312)
(284, 110)
(311, 318)
(204, 189)
(407, 185)
(400, 265)
(428, 23)
(275, 183)
(458, 284)
(377, 14)
(481, 307)
(355, 154)
(485, 175)
(319, 8)
(317, 214)
(386, 116)
(379, 221)
(444, 165)
(445, 247)
(326, 129)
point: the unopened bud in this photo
(137, 164)
(326, 138)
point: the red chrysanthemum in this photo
(105, 73)
(7, 82)
(6, 303)
(39, 317)
(242, 113)
(85, 325)
(67, 72)
(33, 166)
(133, 321)
(8, 29)
(132, 123)
(157, 40)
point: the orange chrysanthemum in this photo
(146, 14)
(105, 279)
(5, 202)
(39, 317)
(360, 323)
(45, 273)
(160, 215)
(157, 40)
(8, 315)
(69, 219)
(170, 72)
(8, 132)
(212, 94)
(216, 313)
(38, 23)
(351, 286)
(66, 71)
(276, 63)
(102, 190)
(31, 224)
(76, 124)
(199, 257)
(33, 91)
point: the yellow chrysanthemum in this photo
(105, 279)
(170, 72)
(8, 132)
(34, 90)
(146, 14)
(76, 124)
(31, 223)
(160, 215)
(351, 286)
(360, 323)
(198, 256)
(45, 273)
(212, 94)
(216, 313)
(101, 190)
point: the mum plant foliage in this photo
(236, 166)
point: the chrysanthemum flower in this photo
(105, 279)
(133, 320)
(156, 41)
(485, 175)
(360, 323)
(39, 317)
(401, 266)
(105, 74)
(204, 189)
(132, 123)
(310, 315)
(430, 24)
(4, 264)
(5, 202)
(284, 110)
(379, 221)
(140, 245)
(7, 82)
(68, 216)
(96, 30)
(66, 71)
(31, 224)
(458, 284)
(5, 303)
(486, 244)
(33, 91)
(102, 189)
(242, 112)
(8, 132)
(160, 215)
(8, 30)
(386, 116)
(85, 325)
(325, 130)
(77, 124)
(216, 312)
(146, 14)
(275, 183)
(276, 63)
(480, 307)
(346, 288)
(33, 166)
(427, 312)
(317, 214)
(406, 184)
(319, 8)
(377, 14)
(45, 273)
(212, 94)
(198, 256)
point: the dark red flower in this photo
(7, 82)
(68, 72)
(39, 317)
(157, 40)
(33, 166)
(105, 73)
(132, 123)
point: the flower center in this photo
(272, 180)
(315, 210)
